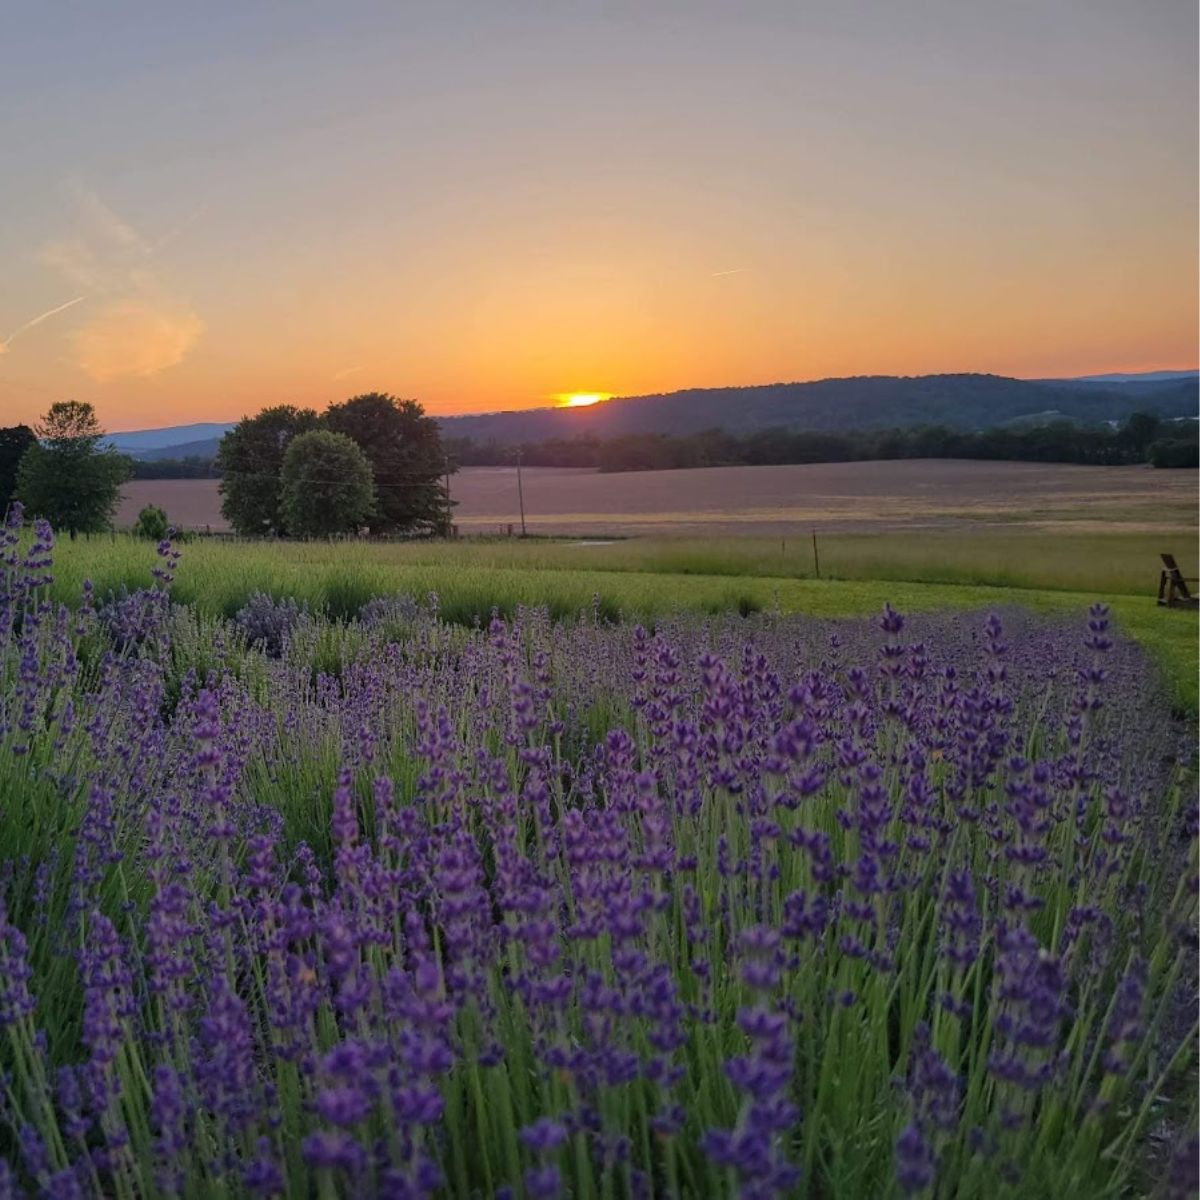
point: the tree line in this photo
(175, 468)
(1142, 437)
(378, 463)
(372, 463)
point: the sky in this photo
(209, 208)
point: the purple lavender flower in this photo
(914, 1161)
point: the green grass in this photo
(643, 578)
(1121, 562)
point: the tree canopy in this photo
(404, 447)
(67, 476)
(325, 485)
(250, 460)
(14, 441)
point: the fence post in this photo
(520, 493)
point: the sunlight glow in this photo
(580, 399)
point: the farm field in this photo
(776, 501)
(400, 898)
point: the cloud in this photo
(345, 371)
(132, 338)
(51, 312)
(143, 325)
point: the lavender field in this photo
(728, 907)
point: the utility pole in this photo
(520, 492)
(449, 510)
(816, 557)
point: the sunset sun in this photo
(580, 399)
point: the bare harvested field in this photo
(847, 497)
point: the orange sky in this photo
(483, 209)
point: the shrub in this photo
(382, 609)
(267, 623)
(151, 523)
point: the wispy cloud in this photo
(735, 271)
(142, 325)
(52, 312)
(347, 371)
(134, 338)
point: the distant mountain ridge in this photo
(958, 401)
(144, 443)
(968, 402)
(1130, 377)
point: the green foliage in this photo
(250, 460)
(325, 485)
(406, 455)
(402, 448)
(151, 523)
(1175, 452)
(67, 477)
(14, 441)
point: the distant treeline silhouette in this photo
(176, 468)
(1141, 438)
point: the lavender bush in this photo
(731, 907)
(267, 623)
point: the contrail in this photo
(735, 271)
(4, 345)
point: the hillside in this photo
(169, 442)
(965, 402)
(962, 402)
(205, 448)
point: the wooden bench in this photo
(1173, 589)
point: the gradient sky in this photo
(482, 205)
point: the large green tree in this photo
(14, 441)
(67, 476)
(250, 459)
(325, 485)
(405, 450)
